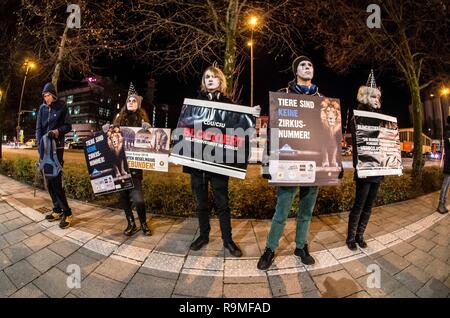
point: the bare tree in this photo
(412, 39)
(181, 36)
(61, 48)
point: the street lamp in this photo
(28, 65)
(252, 22)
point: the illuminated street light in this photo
(252, 22)
(445, 91)
(28, 65)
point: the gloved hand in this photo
(256, 111)
(145, 125)
(265, 172)
(341, 173)
(106, 127)
(51, 134)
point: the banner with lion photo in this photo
(305, 140)
(106, 162)
(147, 149)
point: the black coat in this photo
(376, 179)
(447, 150)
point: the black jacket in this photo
(376, 179)
(55, 116)
(214, 97)
(447, 150)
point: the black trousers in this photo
(358, 219)
(219, 185)
(134, 196)
(56, 190)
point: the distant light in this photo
(249, 43)
(91, 79)
(253, 21)
(445, 91)
(431, 95)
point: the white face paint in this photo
(132, 104)
(374, 99)
(305, 70)
(212, 81)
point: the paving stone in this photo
(438, 270)
(21, 273)
(440, 252)
(248, 250)
(54, 283)
(29, 291)
(3, 242)
(175, 247)
(37, 241)
(6, 286)
(358, 268)
(442, 239)
(201, 286)
(63, 247)
(117, 269)
(291, 284)
(32, 229)
(15, 224)
(413, 277)
(360, 294)
(433, 289)
(86, 263)
(337, 284)
(310, 294)
(4, 261)
(419, 258)
(247, 291)
(402, 248)
(402, 292)
(392, 263)
(158, 273)
(44, 259)
(387, 284)
(98, 286)
(17, 252)
(15, 236)
(146, 286)
(424, 244)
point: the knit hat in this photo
(297, 61)
(49, 88)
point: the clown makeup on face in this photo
(373, 98)
(305, 71)
(132, 104)
(212, 81)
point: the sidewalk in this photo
(408, 249)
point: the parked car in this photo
(31, 143)
(79, 144)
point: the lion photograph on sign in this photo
(330, 115)
(115, 144)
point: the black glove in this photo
(51, 135)
(265, 172)
(341, 174)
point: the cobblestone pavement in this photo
(408, 254)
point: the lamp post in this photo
(28, 65)
(253, 22)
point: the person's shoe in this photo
(199, 243)
(131, 227)
(304, 255)
(266, 259)
(145, 230)
(351, 245)
(66, 221)
(233, 248)
(54, 216)
(360, 241)
(442, 209)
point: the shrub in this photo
(170, 193)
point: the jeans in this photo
(219, 185)
(444, 189)
(134, 195)
(285, 198)
(359, 216)
(56, 190)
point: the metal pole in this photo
(20, 104)
(251, 70)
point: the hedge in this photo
(170, 193)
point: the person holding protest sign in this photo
(366, 188)
(446, 181)
(53, 121)
(303, 70)
(213, 88)
(132, 115)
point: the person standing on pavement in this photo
(213, 88)
(303, 70)
(446, 182)
(366, 188)
(54, 121)
(133, 115)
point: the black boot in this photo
(304, 255)
(131, 227)
(441, 208)
(360, 240)
(353, 220)
(142, 219)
